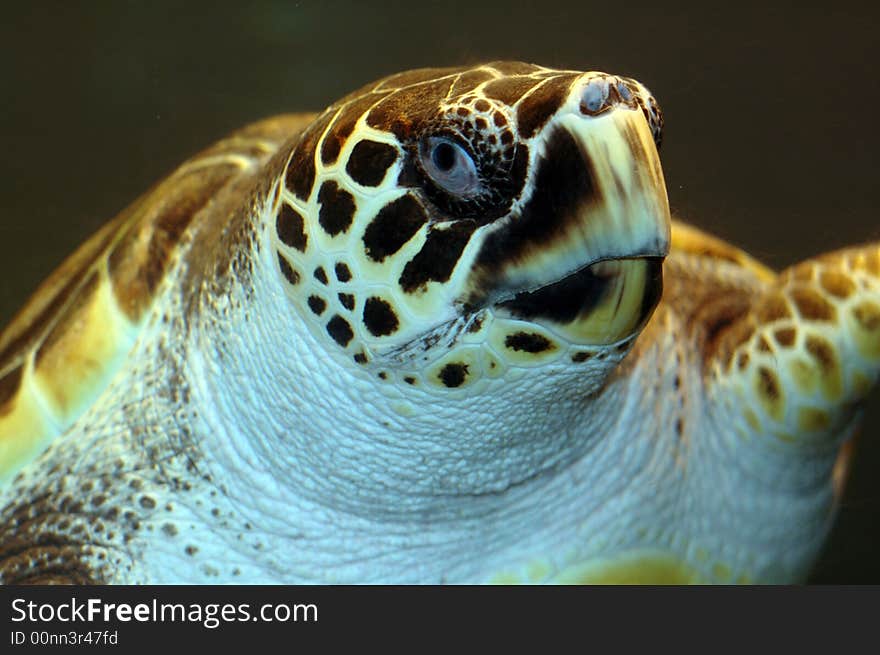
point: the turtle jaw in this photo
(584, 252)
(600, 304)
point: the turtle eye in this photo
(449, 166)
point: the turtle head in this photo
(446, 226)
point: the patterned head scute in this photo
(442, 225)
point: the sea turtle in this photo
(419, 337)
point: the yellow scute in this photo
(635, 568)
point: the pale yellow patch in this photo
(636, 568)
(25, 431)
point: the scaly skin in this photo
(242, 439)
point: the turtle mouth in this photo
(600, 303)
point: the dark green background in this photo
(771, 113)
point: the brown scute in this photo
(340, 330)
(335, 137)
(369, 161)
(539, 106)
(346, 300)
(291, 228)
(337, 208)
(139, 260)
(416, 76)
(453, 375)
(513, 67)
(529, 342)
(34, 318)
(343, 273)
(438, 256)
(70, 315)
(300, 176)
(837, 284)
(9, 385)
(407, 111)
(394, 225)
(379, 317)
(773, 308)
(812, 306)
(468, 81)
(317, 305)
(287, 270)
(509, 90)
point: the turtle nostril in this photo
(594, 98)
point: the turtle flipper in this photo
(807, 352)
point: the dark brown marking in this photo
(475, 325)
(482, 105)
(347, 300)
(321, 275)
(537, 108)
(337, 208)
(339, 329)
(438, 256)
(291, 228)
(577, 358)
(379, 317)
(773, 308)
(383, 375)
(768, 384)
(868, 315)
(394, 225)
(360, 358)
(409, 379)
(287, 270)
(529, 342)
(823, 353)
(300, 175)
(563, 185)
(317, 305)
(369, 161)
(343, 126)
(343, 273)
(837, 284)
(454, 375)
(9, 385)
(785, 337)
(812, 305)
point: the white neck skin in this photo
(326, 473)
(302, 437)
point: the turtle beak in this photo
(584, 252)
